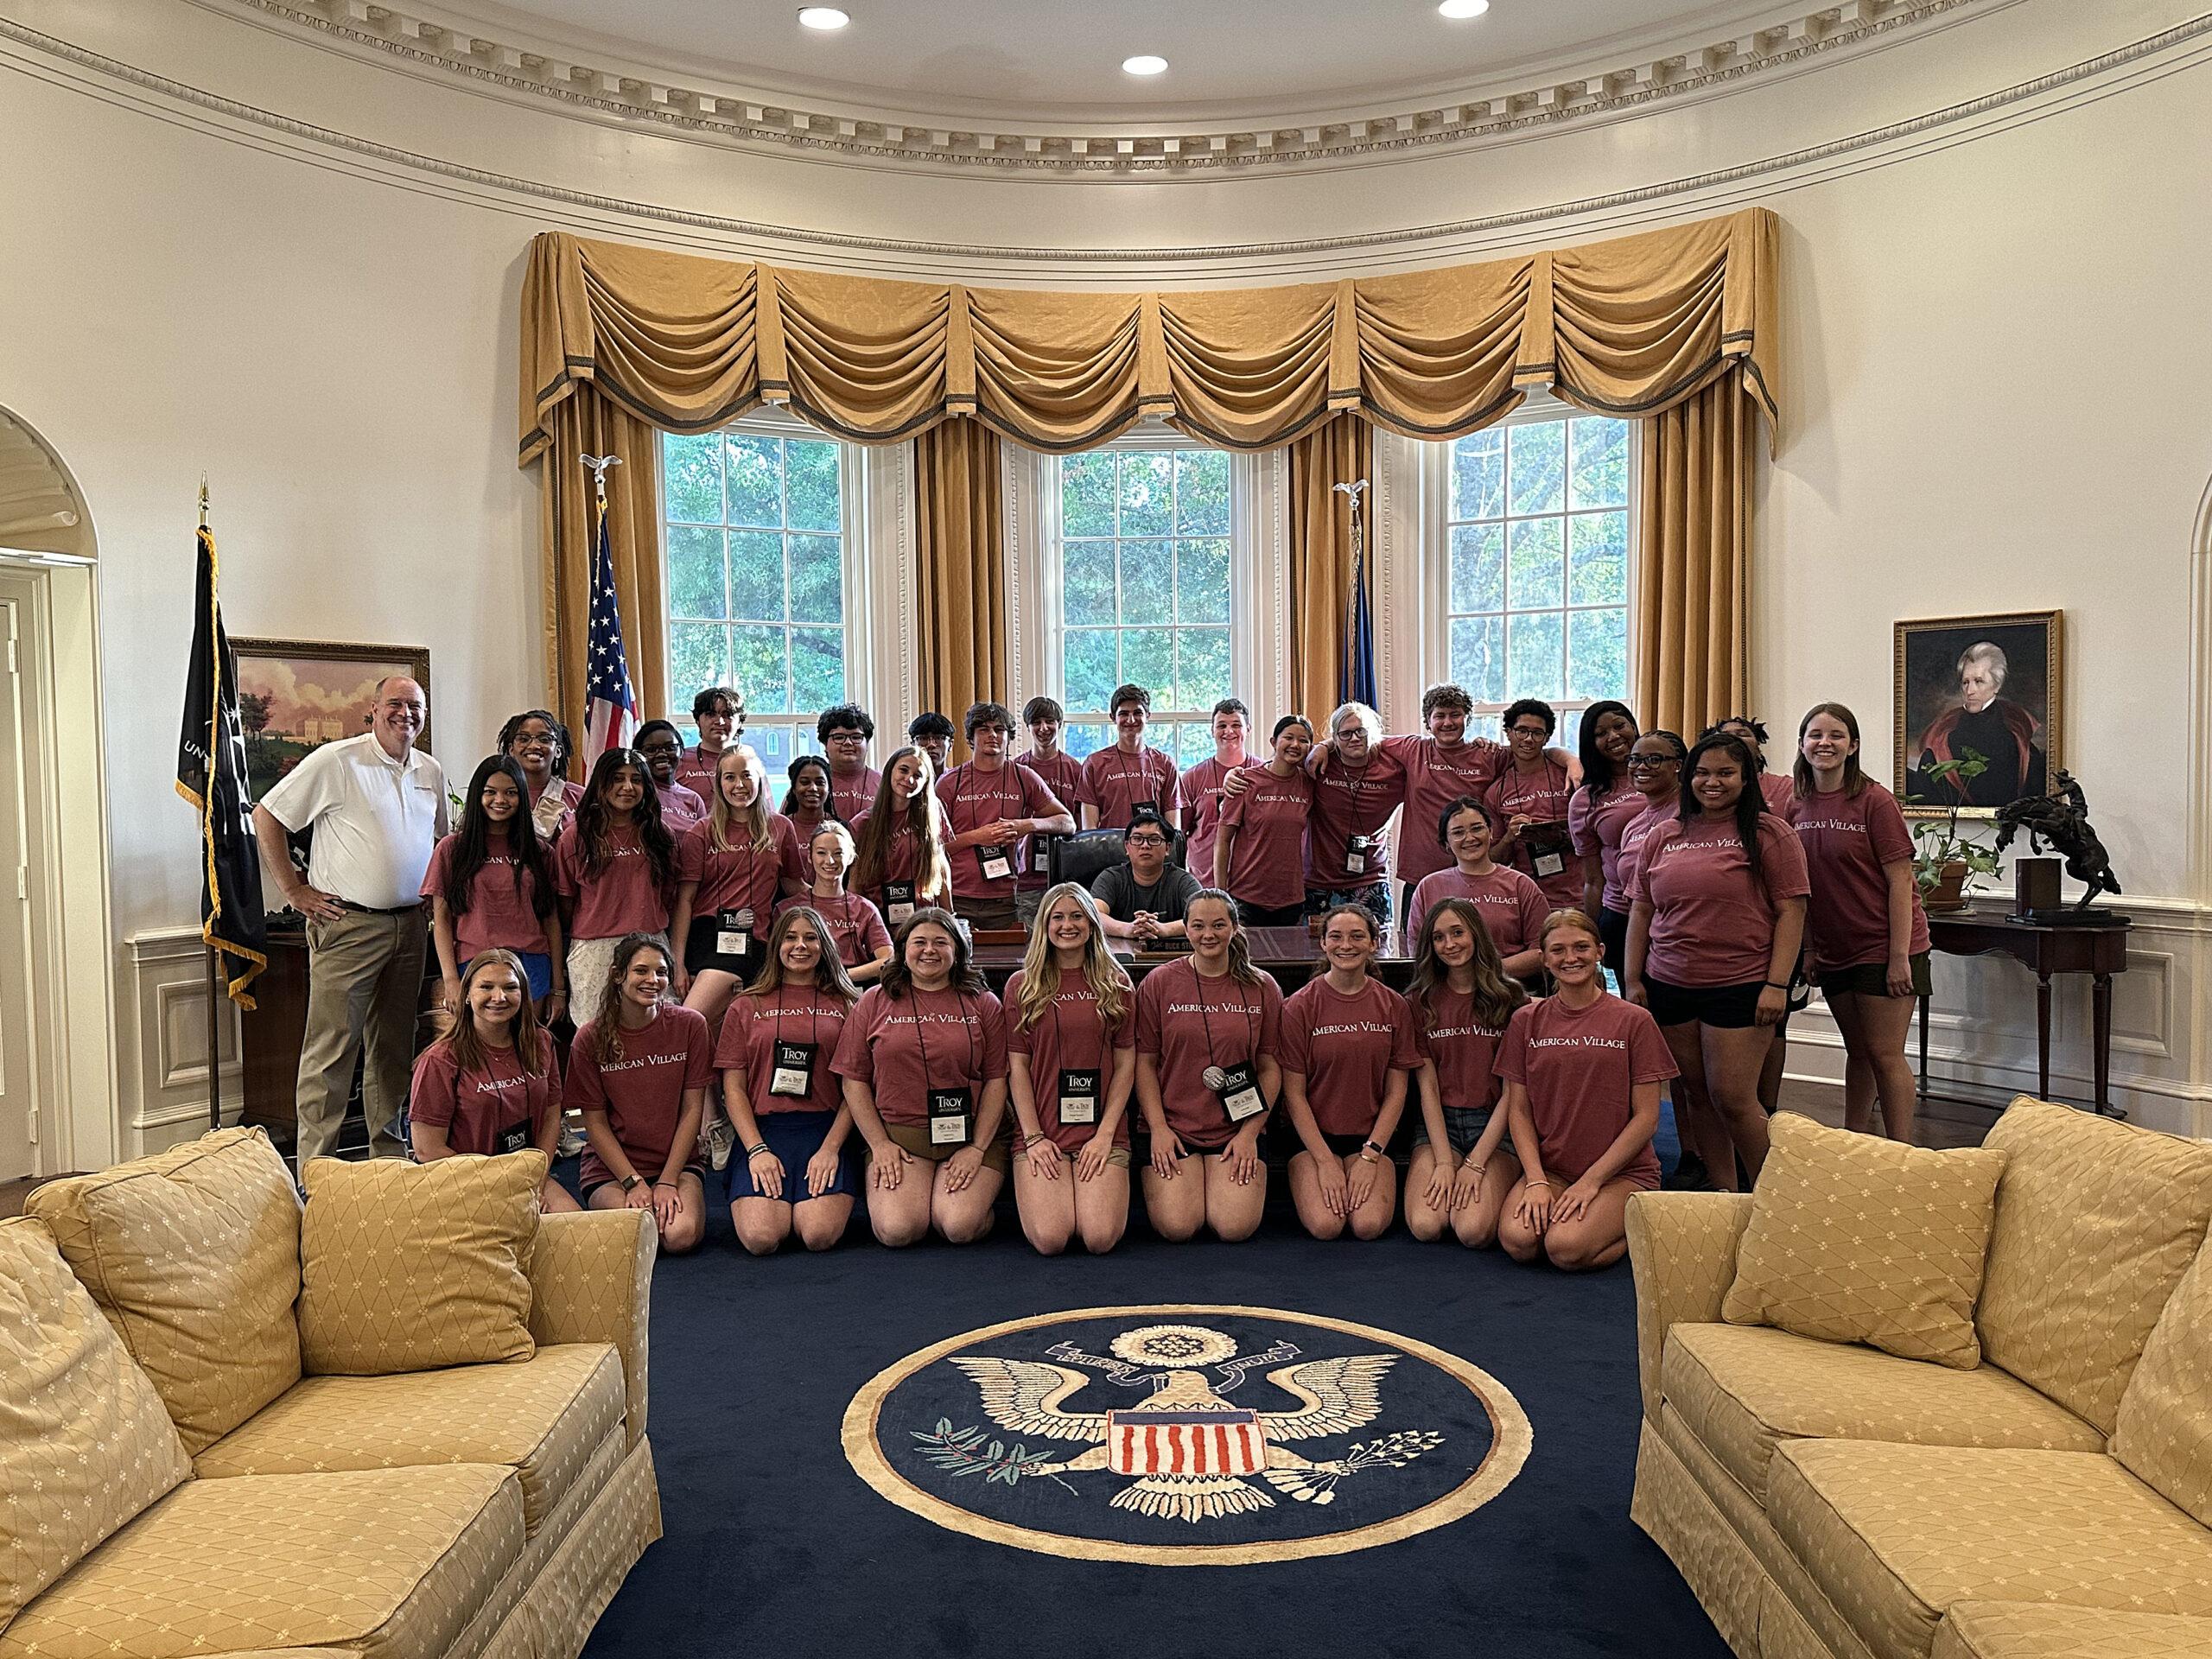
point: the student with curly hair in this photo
(615, 867)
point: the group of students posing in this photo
(825, 976)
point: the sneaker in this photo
(1690, 1176)
(721, 1140)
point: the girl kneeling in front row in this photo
(1347, 1045)
(1582, 1071)
(639, 1073)
(1207, 1029)
(1461, 997)
(924, 1062)
(1071, 1031)
(790, 1173)
(487, 1085)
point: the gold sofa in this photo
(1829, 1501)
(174, 1485)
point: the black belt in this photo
(370, 910)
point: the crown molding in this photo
(738, 116)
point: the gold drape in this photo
(1693, 492)
(959, 555)
(1341, 452)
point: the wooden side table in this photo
(1984, 929)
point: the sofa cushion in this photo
(409, 1266)
(2019, 1630)
(1856, 1239)
(85, 1443)
(543, 1418)
(1743, 1390)
(2165, 1435)
(2096, 1223)
(193, 1255)
(390, 1563)
(1894, 1535)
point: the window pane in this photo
(1478, 475)
(1598, 558)
(1201, 670)
(777, 746)
(1202, 579)
(1477, 568)
(1536, 466)
(1194, 743)
(1146, 494)
(1478, 657)
(691, 478)
(818, 668)
(1087, 739)
(1089, 668)
(1537, 569)
(810, 484)
(1533, 647)
(1087, 580)
(756, 484)
(817, 583)
(757, 662)
(1596, 654)
(1149, 660)
(1147, 582)
(756, 575)
(1202, 497)
(694, 659)
(1600, 458)
(695, 570)
(1087, 495)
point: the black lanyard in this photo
(1243, 1005)
(813, 1018)
(922, 1044)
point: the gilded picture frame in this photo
(1988, 690)
(296, 694)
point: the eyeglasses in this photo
(660, 748)
(1147, 841)
(845, 737)
(1647, 761)
(1526, 731)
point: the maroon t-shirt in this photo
(1436, 776)
(1580, 1067)
(1346, 1048)
(499, 914)
(681, 808)
(1069, 1033)
(790, 1014)
(1117, 783)
(1062, 775)
(852, 798)
(900, 858)
(1711, 923)
(739, 876)
(1540, 795)
(1201, 806)
(1634, 833)
(1351, 801)
(855, 924)
(1777, 790)
(481, 1107)
(641, 1092)
(1847, 841)
(1186, 1023)
(959, 1042)
(623, 897)
(1513, 907)
(695, 771)
(1464, 1049)
(1596, 826)
(1267, 860)
(974, 797)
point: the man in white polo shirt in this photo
(376, 806)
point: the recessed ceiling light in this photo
(1457, 8)
(1144, 65)
(831, 17)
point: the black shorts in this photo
(1727, 1008)
(699, 953)
(1251, 915)
(1872, 978)
(1612, 930)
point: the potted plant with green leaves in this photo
(1951, 859)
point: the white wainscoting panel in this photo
(165, 1053)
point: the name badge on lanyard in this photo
(791, 1074)
(1079, 1097)
(1238, 1091)
(996, 864)
(949, 1112)
(732, 936)
(1359, 852)
(898, 902)
(1547, 846)
(515, 1137)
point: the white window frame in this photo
(1259, 572)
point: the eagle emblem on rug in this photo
(1190, 1452)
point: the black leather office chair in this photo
(1083, 858)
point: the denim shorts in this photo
(1463, 1126)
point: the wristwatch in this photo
(630, 1181)
(1371, 1151)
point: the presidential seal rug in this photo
(1280, 1446)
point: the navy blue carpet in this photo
(774, 1544)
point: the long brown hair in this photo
(1496, 993)
(830, 974)
(897, 978)
(531, 1049)
(594, 829)
(606, 1026)
(1240, 946)
(1854, 776)
(1103, 977)
(924, 816)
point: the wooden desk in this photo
(1983, 929)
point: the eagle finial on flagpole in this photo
(598, 464)
(1354, 490)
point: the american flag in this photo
(610, 706)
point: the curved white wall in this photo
(1995, 365)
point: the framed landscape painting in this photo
(1980, 706)
(294, 695)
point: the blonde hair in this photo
(721, 815)
(1102, 976)
(1369, 721)
(1568, 915)
(524, 1030)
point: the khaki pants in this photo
(365, 981)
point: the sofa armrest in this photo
(591, 1280)
(1682, 1246)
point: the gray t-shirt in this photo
(1117, 891)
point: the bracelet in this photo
(755, 1152)
(668, 1184)
(1777, 985)
(1547, 1186)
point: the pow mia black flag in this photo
(211, 774)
